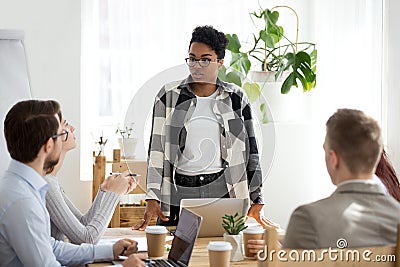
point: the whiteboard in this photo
(14, 81)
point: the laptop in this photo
(212, 210)
(183, 242)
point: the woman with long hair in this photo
(387, 174)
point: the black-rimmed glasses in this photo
(203, 62)
(63, 133)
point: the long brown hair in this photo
(387, 174)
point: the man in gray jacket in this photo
(359, 211)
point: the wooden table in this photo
(199, 256)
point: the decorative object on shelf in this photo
(127, 142)
(125, 132)
(280, 60)
(101, 144)
(234, 225)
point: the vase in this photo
(291, 107)
(237, 247)
(128, 147)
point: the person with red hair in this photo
(387, 174)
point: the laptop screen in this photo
(185, 237)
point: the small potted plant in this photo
(101, 145)
(127, 141)
(234, 225)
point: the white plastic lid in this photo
(156, 229)
(219, 246)
(254, 229)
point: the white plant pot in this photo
(237, 247)
(128, 147)
(292, 107)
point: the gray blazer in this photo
(361, 213)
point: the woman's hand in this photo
(119, 183)
(255, 212)
(152, 209)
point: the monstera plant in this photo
(274, 52)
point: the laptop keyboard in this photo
(160, 263)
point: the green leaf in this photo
(240, 62)
(257, 15)
(271, 17)
(234, 43)
(308, 73)
(241, 229)
(245, 63)
(263, 110)
(288, 83)
(302, 57)
(222, 73)
(290, 58)
(270, 40)
(227, 229)
(252, 90)
(274, 16)
(233, 77)
(306, 85)
(276, 31)
(313, 56)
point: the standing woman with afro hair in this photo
(202, 143)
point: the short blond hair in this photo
(356, 138)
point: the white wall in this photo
(53, 45)
(391, 71)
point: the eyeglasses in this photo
(64, 132)
(203, 62)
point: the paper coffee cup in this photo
(251, 233)
(155, 236)
(219, 253)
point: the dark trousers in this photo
(197, 186)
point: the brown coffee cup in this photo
(251, 233)
(155, 236)
(219, 253)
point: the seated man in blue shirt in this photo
(33, 134)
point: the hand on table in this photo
(136, 260)
(152, 209)
(255, 212)
(124, 247)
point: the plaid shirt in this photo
(174, 106)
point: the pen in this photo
(130, 174)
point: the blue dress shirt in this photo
(25, 225)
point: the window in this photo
(125, 43)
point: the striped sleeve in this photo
(67, 220)
(156, 148)
(253, 168)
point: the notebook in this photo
(183, 242)
(212, 210)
